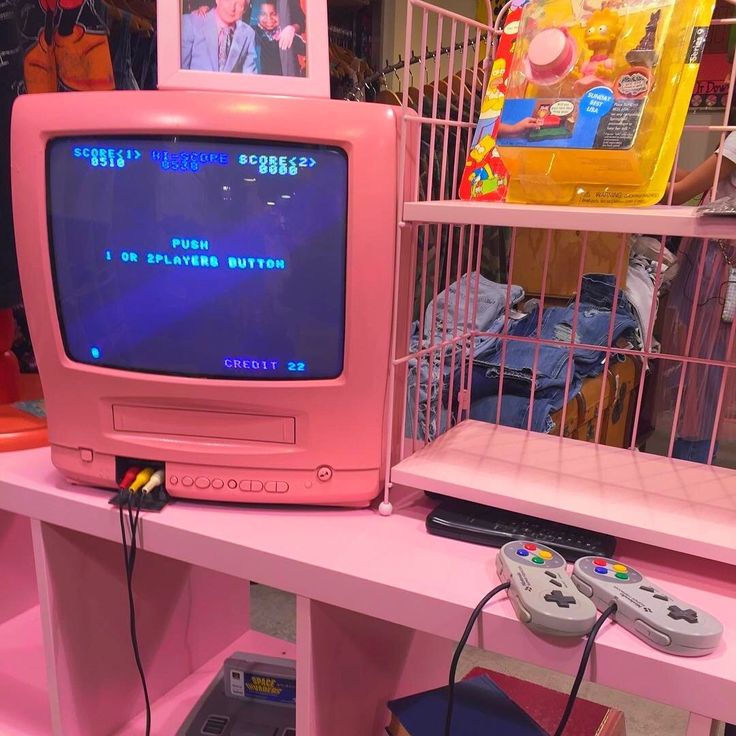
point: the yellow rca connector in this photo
(141, 479)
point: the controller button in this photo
(620, 568)
(622, 576)
(537, 560)
(661, 597)
(558, 597)
(656, 637)
(678, 614)
(584, 588)
(550, 574)
(556, 582)
(546, 555)
(602, 570)
(600, 562)
(646, 589)
(522, 553)
(530, 547)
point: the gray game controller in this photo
(542, 592)
(659, 619)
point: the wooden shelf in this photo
(168, 712)
(681, 221)
(672, 504)
(24, 697)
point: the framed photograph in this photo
(262, 46)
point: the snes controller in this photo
(651, 614)
(542, 592)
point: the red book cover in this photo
(545, 706)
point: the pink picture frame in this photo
(252, 61)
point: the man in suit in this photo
(218, 41)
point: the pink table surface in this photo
(391, 569)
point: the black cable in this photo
(583, 665)
(130, 556)
(459, 650)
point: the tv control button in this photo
(217, 483)
(271, 486)
(602, 570)
(558, 597)
(324, 473)
(282, 486)
(678, 614)
(522, 553)
(187, 481)
(256, 485)
(584, 588)
(556, 582)
(657, 637)
(173, 480)
(600, 562)
(646, 589)
(550, 574)
(233, 484)
(537, 560)
(622, 576)
(546, 555)
(530, 547)
(86, 455)
(620, 568)
(661, 597)
(244, 485)
(202, 482)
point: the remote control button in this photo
(556, 582)
(646, 589)
(660, 597)
(622, 576)
(602, 570)
(546, 555)
(620, 568)
(537, 560)
(522, 553)
(600, 562)
(550, 574)
(657, 637)
(678, 614)
(558, 597)
(530, 547)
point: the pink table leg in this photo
(701, 726)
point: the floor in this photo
(274, 612)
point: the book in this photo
(481, 707)
(546, 706)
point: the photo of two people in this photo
(241, 37)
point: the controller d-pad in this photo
(558, 597)
(679, 614)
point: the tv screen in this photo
(200, 257)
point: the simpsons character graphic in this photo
(70, 51)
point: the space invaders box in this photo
(546, 706)
(255, 677)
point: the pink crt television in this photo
(209, 283)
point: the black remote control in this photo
(493, 527)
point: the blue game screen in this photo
(200, 257)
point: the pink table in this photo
(380, 605)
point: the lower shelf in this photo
(672, 504)
(169, 712)
(24, 697)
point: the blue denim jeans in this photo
(696, 451)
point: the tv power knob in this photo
(324, 474)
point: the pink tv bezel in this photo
(222, 439)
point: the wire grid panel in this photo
(616, 338)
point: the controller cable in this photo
(459, 650)
(129, 553)
(583, 666)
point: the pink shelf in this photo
(680, 506)
(24, 699)
(168, 712)
(651, 220)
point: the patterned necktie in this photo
(224, 40)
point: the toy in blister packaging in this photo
(485, 177)
(596, 98)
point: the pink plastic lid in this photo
(551, 55)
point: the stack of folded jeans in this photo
(450, 316)
(553, 363)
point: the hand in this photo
(286, 37)
(524, 126)
(202, 10)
